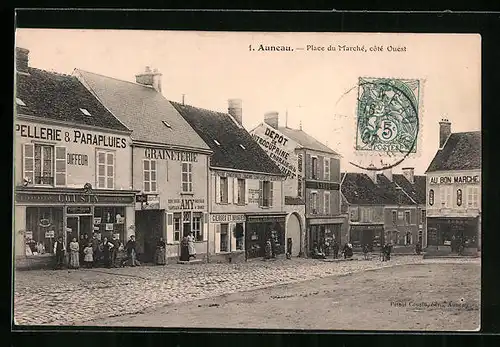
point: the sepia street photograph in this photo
(249, 180)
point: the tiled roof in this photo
(143, 110)
(60, 97)
(359, 189)
(462, 151)
(306, 140)
(416, 190)
(232, 145)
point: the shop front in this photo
(323, 232)
(263, 227)
(43, 215)
(367, 234)
(229, 236)
(449, 233)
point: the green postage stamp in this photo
(388, 115)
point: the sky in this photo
(317, 89)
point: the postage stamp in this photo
(388, 115)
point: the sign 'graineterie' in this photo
(168, 154)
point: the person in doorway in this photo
(161, 252)
(335, 247)
(289, 248)
(131, 250)
(106, 252)
(95, 249)
(59, 251)
(114, 250)
(192, 249)
(273, 246)
(268, 249)
(88, 255)
(84, 240)
(74, 255)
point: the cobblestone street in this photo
(70, 297)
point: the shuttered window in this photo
(149, 175)
(187, 177)
(327, 202)
(224, 190)
(314, 168)
(266, 193)
(44, 164)
(327, 169)
(105, 170)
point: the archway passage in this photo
(293, 231)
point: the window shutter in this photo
(232, 227)
(271, 196)
(321, 168)
(205, 226)
(217, 189)
(60, 166)
(261, 193)
(110, 170)
(318, 174)
(170, 228)
(217, 237)
(334, 170)
(308, 166)
(235, 190)
(246, 193)
(29, 162)
(229, 192)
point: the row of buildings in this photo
(94, 154)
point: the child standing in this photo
(89, 255)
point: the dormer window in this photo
(217, 142)
(20, 102)
(85, 112)
(166, 124)
(243, 147)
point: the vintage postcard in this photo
(260, 180)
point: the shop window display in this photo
(109, 221)
(43, 226)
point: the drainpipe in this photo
(209, 208)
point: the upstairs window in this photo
(224, 190)
(394, 216)
(407, 217)
(44, 164)
(241, 192)
(327, 169)
(266, 193)
(314, 167)
(327, 203)
(314, 202)
(149, 172)
(105, 169)
(187, 177)
(473, 197)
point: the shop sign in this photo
(169, 154)
(322, 185)
(464, 179)
(222, 218)
(78, 159)
(72, 136)
(72, 198)
(366, 227)
(49, 234)
(278, 148)
(28, 234)
(253, 196)
(79, 210)
(186, 204)
(265, 219)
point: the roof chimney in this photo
(235, 109)
(22, 59)
(372, 173)
(271, 119)
(409, 174)
(150, 78)
(444, 132)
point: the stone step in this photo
(190, 262)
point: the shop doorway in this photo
(149, 229)
(76, 226)
(293, 232)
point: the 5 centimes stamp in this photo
(388, 115)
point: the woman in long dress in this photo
(192, 249)
(160, 252)
(74, 248)
(106, 251)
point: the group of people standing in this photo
(94, 252)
